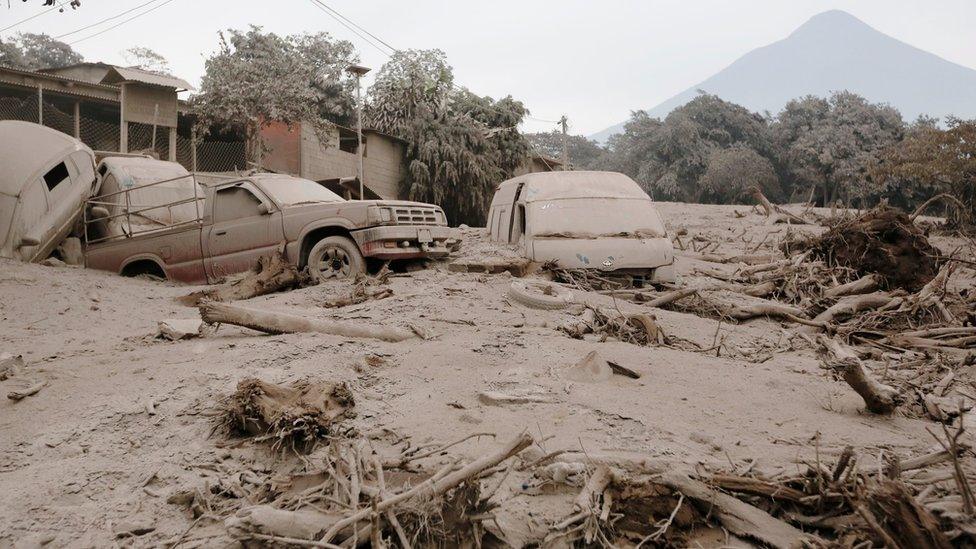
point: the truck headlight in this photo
(378, 215)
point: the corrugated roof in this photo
(117, 75)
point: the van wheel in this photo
(540, 295)
(335, 257)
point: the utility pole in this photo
(564, 122)
(359, 71)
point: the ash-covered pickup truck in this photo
(178, 228)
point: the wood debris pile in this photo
(376, 489)
(296, 417)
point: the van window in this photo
(56, 175)
(235, 203)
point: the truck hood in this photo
(606, 253)
(395, 203)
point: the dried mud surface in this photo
(125, 420)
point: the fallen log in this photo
(283, 323)
(271, 274)
(851, 305)
(737, 516)
(588, 499)
(879, 398)
(755, 486)
(29, 390)
(774, 213)
(748, 259)
(863, 285)
(671, 297)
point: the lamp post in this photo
(359, 71)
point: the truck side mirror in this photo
(99, 212)
(263, 208)
(28, 241)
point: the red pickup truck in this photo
(238, 220)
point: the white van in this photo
(45, 178)
(584, 220)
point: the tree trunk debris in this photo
(283, 323)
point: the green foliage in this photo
(30, 51)
(459, 144)
(256, 78)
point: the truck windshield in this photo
(292, 191)
(594, 217)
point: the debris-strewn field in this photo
(727, 415)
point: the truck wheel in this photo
(335, 257)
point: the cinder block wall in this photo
(382, 165)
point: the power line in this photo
(119, 24)
(26, 19)
(353, 23)
(105, 20)
(543, 120)
(336, 15)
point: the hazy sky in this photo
(594, 61)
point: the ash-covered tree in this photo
(146, 59)
(256, 78)
(830, 145)
(670, 158)
(459, 144)
(584, 154)
(930, 161)
(732, 171)
(31, 51)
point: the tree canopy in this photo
(255, 78)
(147, 60)
(931, 161)
(29, 51)
(831, 143)
(459, 144)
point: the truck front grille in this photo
(416, 216)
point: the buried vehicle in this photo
(584, 220)
(45, 178)
(186, 231)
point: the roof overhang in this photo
(60, 84)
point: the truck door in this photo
(246, 225)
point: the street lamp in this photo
(359, 71)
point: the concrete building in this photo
(297, 150)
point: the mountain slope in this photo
(837, 51)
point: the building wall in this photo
(283, 146)
(535, 164)
(382, 163)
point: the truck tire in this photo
(540, 295)
(335, 257)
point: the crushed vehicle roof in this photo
(576, 184)
(25, 147)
